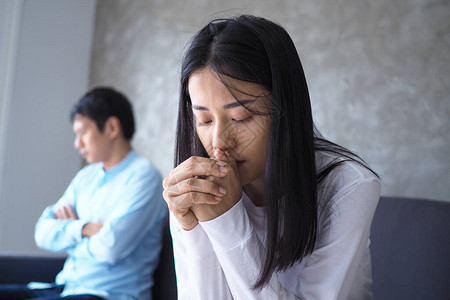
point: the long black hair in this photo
(254, 49)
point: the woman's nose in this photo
(224, 136)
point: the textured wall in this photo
(378, 73)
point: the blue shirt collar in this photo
(120, 166)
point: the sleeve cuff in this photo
(74, 228)
(230, 229)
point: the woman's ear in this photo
(112, 127)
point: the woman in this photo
(261, 206)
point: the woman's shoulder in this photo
(350, 191)
(346, 176)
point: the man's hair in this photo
(101, 103)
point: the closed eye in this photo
(200, 124)
(243, 120)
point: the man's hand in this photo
(91, 228)
(66, 212)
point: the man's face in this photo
(93, 145)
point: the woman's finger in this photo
(196, 184)
(187, 200)
(195, 166)
(187, 219)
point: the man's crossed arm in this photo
(66, 212)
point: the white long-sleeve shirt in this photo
(222, 258)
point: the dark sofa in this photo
(410, 247)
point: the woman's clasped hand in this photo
(201, 189)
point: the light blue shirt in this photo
(118, 262)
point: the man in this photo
(109, 219)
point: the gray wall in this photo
(47, 48)
(378, 73)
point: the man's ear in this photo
(112, 127)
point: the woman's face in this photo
(223, 123)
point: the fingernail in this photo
(217, 198)
(222, 190)
(217, 152)
(220, 163)
(223, 169)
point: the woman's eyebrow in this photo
(226, 106)
(236, 104)
(199, 107)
